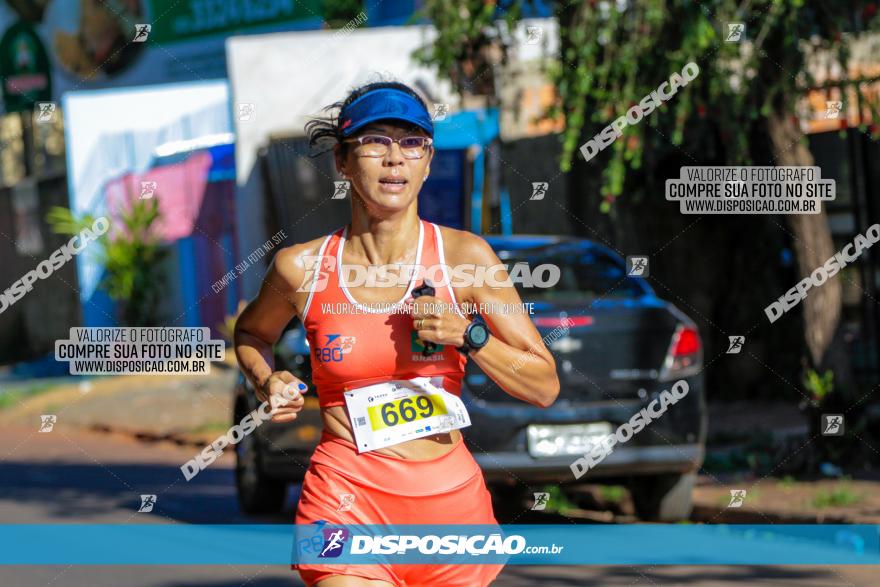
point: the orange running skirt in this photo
(448, 489)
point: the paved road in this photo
(76, 477)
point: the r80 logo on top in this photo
(335, 347)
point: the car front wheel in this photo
(663, 498)
(257, 494)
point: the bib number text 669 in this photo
(405, 410)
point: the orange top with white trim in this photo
(354, 345)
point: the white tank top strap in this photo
(447, 277)
(316, 273)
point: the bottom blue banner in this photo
(324, 543)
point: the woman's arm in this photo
(515, 356)
(260, 326)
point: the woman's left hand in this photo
(437, 321)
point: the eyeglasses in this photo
(414, 147)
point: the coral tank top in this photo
(353, 345)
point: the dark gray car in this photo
(617, 346)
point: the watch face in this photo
(479, 334)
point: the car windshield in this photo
(582, 275)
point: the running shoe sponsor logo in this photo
(334, 542)
(334, 349)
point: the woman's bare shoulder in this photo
(462, 246)
(292, 263)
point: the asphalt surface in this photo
(67, 476)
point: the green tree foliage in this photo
(131, 255)
(614, 53)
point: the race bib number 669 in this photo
(407, 409)
(388, 413)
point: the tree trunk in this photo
(812, 247)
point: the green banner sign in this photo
(24, 68)
(188, 19)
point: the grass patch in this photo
(211, 428)
(14, 397)
(612, 493)
(558, 501)
(839, 496)
(787, 482)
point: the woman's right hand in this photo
(284, 392)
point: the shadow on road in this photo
(520, 576)
(80, 493)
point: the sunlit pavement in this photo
(67, 476)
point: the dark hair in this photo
(324, 132)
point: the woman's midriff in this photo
(429, 447)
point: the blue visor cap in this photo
(386, 103)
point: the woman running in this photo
(388, 362)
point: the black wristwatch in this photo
(476, 335)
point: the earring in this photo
(426, 176)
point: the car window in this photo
(583, 274)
